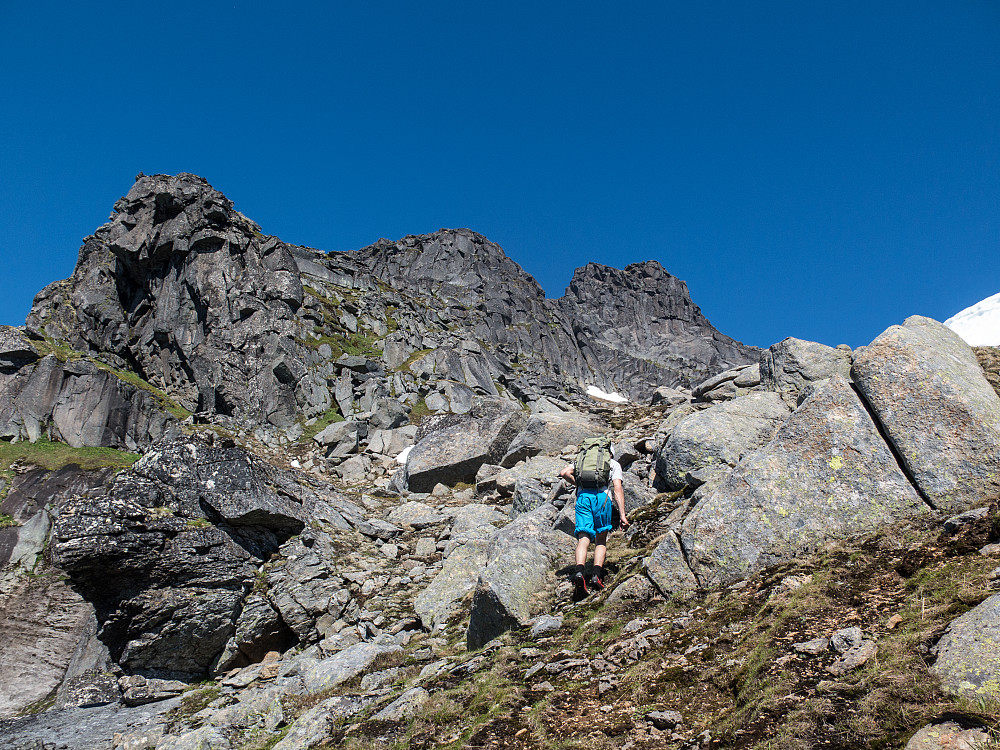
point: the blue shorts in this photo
(593, 513)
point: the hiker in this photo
(592, 472)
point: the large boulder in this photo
(454, 453)
(544, 469)
(518, 581)
(440, 600)
(720, 435)
(826, 474)
(968, 654)
(792, 364)
(929, 393)
(168, 551)
(548, 433)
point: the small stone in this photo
(893, 621)
(990, 549)
(543, 687)
(545, 624)
(664, 720)
(814, 647)
(390, 551)
(534, 669)
(853, 659)
(426, 546)
(846, 639)
(634, 626)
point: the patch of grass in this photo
(7, 521)
(198, 523)
(323, 421)
(50, 455)
(60, 349)
(419, 411)
(194, 700)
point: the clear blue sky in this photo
(819, 170)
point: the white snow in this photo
(594, 392)
(979, 325)
(401, 458)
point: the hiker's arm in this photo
(568, 474)
(620, 499)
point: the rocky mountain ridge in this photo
(188, 299)
(347, 514)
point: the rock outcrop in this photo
(941, 415)
(826, 474)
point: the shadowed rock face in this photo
(630, 323)
(166, 552)
(189, 295)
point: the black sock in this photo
(599, 571)
(579, 569)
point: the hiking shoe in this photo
(579, 583)
(596, 583)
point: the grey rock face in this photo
(937, 408)
(84, 728)
(720, 435)
(48, 630)
(968, 654)
(405, 706)
(549, 433)
(342, 666)
(80, 404)
(15, 349)
(518, 579)
(440, 600)
(454, 453)
(668, 569)
(826, 474)
(623, 321)
(790, 365)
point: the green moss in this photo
(7, 521)
(194, 700)
(52, 456)
(198, 523)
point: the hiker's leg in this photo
(582, 545)
(601, 550)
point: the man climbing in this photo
(593, 470)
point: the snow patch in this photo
(979, 325)
(594, 392)
(401, 458)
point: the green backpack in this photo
(592, 468)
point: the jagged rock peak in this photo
(456, 261)
(166, 214)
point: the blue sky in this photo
(812, 170)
